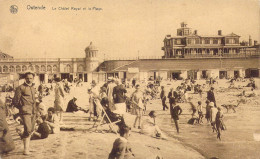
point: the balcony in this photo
(237, 55)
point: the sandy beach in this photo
(240, 140)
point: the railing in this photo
(29, 59)
(120, 58)
(242, 54)
(235, 55)
(41, 59)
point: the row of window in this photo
(232, 41)
(37, 68)
(29, 68)
(204, 41)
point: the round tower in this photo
(92, 60)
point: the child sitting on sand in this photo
(43, 129)
(53, 121)
(121, 147)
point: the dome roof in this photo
(91, 47)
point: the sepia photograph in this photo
(129, 79)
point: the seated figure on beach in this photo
(121, 148)
(53, 121)
(149, 127)
(72, 106)
(42, 131)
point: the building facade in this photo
(190, 44)
(12, 69)
(187, 55)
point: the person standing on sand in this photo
(219, 123)
(59, 97)
(119, 98)
(110, 88)
(24, 100)
(199, 108)
(163, 98)
(137, 98)
(213, 113)
(211, 96)
(175, 112)
(207, 116)
(172, 95)
(95, 99)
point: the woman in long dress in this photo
(59, 97)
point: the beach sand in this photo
(240, 140)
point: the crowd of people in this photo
(114, 99)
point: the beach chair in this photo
(107, 118)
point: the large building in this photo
(187, 55)
(12, 69)
(192, 44)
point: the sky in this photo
(119, 28)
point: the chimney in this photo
(250, 40)
(255, 42)
(195, 32)
(220, 32)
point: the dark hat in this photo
(152, 114)
(28, 73)
(93, 82)
(57, 79)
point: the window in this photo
(236, 41)
(37, 68)
(11, 69)
(80, 68)
(18, 68)
(189, 41)
(197, 41)
(24, 68)
(43, 68)
(215, 41)
(49, 68)
(178, 41)
(5, 69)
(31, 68)
(67, 68)
(55, 68)
(207, 41)
(0, 69)
(228, 41)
